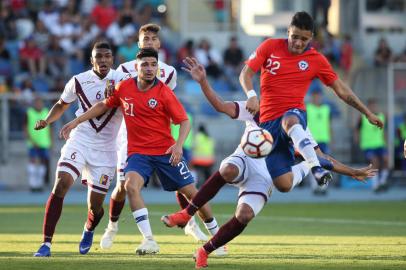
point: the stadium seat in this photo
(191, 87)
(40, 85)
(221, 86)
(208, 110)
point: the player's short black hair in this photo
(147, 52)
(101, 45)
(303, 20)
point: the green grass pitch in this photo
(284, 236)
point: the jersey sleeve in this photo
(113, 101)
(174, 107)
(122, 68)
(241, 112)
(171, 81)
(69, 93)
(326, 73)
(257, 58)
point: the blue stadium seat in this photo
(191, 87)
(40, 85)
(208, 110)
(5, 68)
(221, 86)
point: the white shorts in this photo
(253, 178)
(97, 167)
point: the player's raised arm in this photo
(348, 96)
(246, 76)
(96, 110)
(360, 174)
(198, 73)
(54, 114)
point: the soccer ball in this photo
(257, 143)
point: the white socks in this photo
(141, 218)
(383, 176)
(303, 144)
(36, 175)
(212, 227)
(299, 173)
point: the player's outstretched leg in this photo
(302, 143)
(53, 210)
(94, 215)
(117, 202)
(191, 228)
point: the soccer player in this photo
(89, 150)
(287, 69)
(148, 38)
(249, 174)
(148, 106)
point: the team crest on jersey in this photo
(303, 65)
(152, 103)
(104, 179)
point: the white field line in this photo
(313, 220)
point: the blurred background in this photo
(43, 43)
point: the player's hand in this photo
(194, 68)
(66, 129)
(362, 174)
(176, 155)
(40, 124)
(374, 120)
(253, 105)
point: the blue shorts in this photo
(375, 153)
(41, 153)
(282, 157)
(171, 177)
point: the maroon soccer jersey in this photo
(285, 78)
(147, 116)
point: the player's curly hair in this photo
(147, 52)
(150, 27)
(303, 20)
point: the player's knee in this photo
(283, 187)
(289, 121)
(131, 188)
(62, 185)
(244, 213)
(96, 209)
(229, 172)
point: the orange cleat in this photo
(201, 258)
(180, 219)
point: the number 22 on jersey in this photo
(272, 65)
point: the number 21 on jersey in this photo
(128, 108)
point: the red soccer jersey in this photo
(285, 78)
(147, 116)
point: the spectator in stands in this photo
(120, 30)
(318, 117)
(127, 51)
(144, 14)
(203, 154)
(66, 31)
(5, 58)
(372, 142)
(401, 137)
(401, 57)
(187, 50)
(233, 59)
(39, 143)
(57, 59)
(8, 28)
(104, 14)
(41, 35)
(383, 54)
(87, 33)
(32, 58)
(346, 56)
(49, 15)
(321, 6)
(210, 58)
(128, 13)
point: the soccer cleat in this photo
(322, 176)
(148, 246)
(106, 242)
(193, 230)
(221, 251)
(201, 258)
(180, 219)
(43, 251)
(86, 242)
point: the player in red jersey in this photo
(287, 69)
(148, 107)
